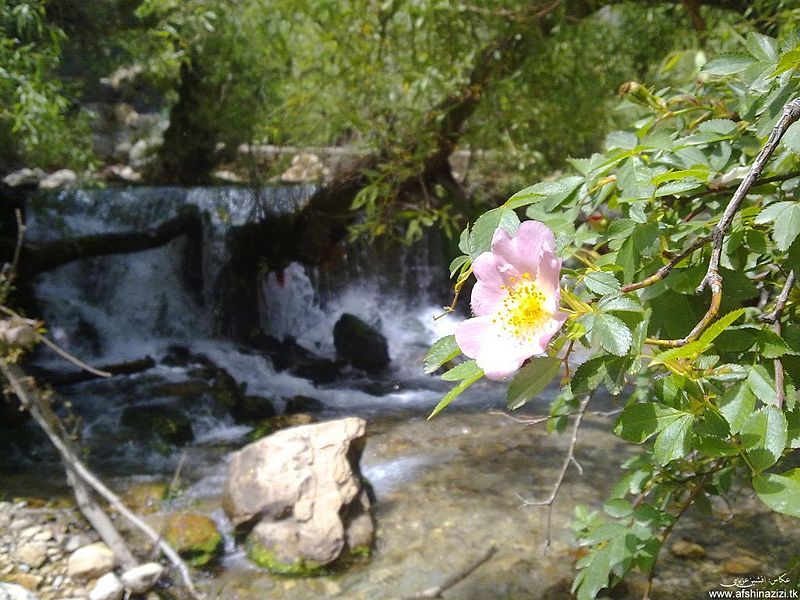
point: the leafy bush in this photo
(682, 242)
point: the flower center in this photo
(523, 312)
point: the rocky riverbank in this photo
(52, 554)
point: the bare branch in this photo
(29, 397)
(568, 460)
(775, 318)
(438, 590)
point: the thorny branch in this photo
(568, 460)
(775, 318)
(712, 278)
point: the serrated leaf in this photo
(764, 434)
(674, 188)
(480, 240)
(673, 441)
(601, 282)
(455, 393)
(718, 326)
(793, 429)
(682, 174)
(463, 241)
(457, 263)
(736, 405)
(728, 64)
(762, 47)
(771, 345)
(607, 370)
(780, 492)
(718, 126)
(620, 303)
(461, 371)
(550, 190)
(786, 222)
(639, 422)
(532, 379)
(618, 508)
(443, 350)
(611, 333)
(791, 139)
(762, 384)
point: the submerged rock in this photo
(360, 344)
(194, 537)
(303, 404)
(302, 493)
(299, 361)
(163, 421)
(273, 424)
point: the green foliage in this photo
(704, 371)
(38, 124)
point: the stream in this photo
(446, 489)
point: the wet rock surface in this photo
(360, 344)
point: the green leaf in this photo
(594, 576)
(764, 434)
(793, 429)
(720, 325)
(736, 405)
(780, 492)
(788, 61)
(550, 190)
(762, 384)
(639, 422)
(480, 240)
(532, 379)
(786, 222)
(611, 333)
(771, 345)
(673, 441)
(619, 508)
(674, 188)
(762, 47)
(601, 282)
(457, 263)
(455, 392)
(791, 139)
(620, 303)
(443, 350)
(461, 371)
(728, 64)
(719, 126)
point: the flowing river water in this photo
(446, 489)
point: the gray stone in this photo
(11, 591)
(33, 554)
(140, 579)
(108, 587)
(360, 344)
(91, 561)
(24, 177)
(304, 488)
(58, 179)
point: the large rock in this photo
(360, 345)
(58, 179)
(301, 492)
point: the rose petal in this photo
(472, 334)
(549, 274)
(522, 253)
(486, 298)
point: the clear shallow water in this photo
(446, 488)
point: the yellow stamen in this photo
(523, 313)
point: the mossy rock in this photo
(267, 559)
(303, 404)
(194, 537)
(270, 426)
(146, 497)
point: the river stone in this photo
(108, 587)
(194, 537)
(33, 554)
(167, 422)
(60, 178)
(142, 578)
(303, 404)
(24, 177)
(90, 561)
(302, 492)
(11, 591)
(360, 344)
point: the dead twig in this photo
(437, 590)
(569, 459)
(76, 470)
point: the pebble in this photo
(685, 549)
(140, 579)
(91, 561)
(108, 587)
(742, 565)
(33, 554)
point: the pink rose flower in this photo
(515, 300)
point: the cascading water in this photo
(123, 307)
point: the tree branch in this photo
(30, 399)
(775, 318)
(438, 590)
(568, 459)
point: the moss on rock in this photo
(193, 536)
(268, 559)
